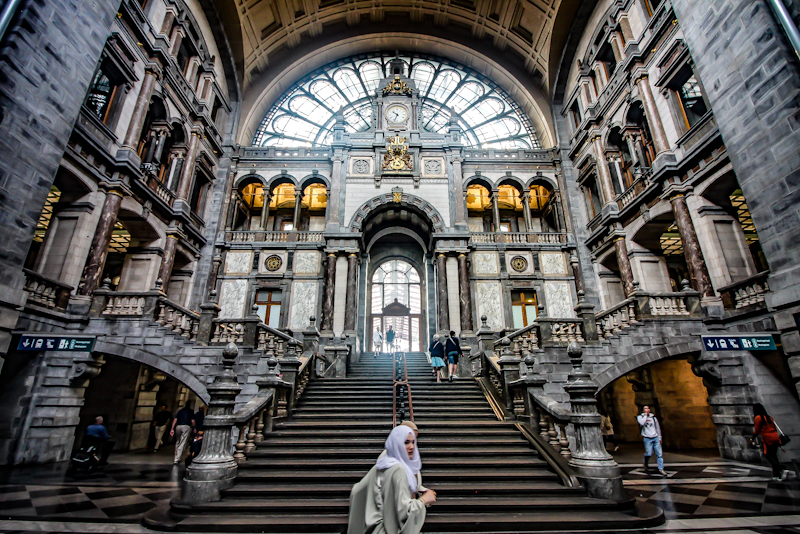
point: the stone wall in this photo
(49, 56)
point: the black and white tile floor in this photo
(700, 494)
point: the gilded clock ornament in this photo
(274, 262)
(397, 87)
(397, 114)
(519, 263)
(397, 157)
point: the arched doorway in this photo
(396, 302)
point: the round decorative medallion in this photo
(274, 262)
(519, 263)
(361, 166)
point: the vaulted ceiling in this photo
(275, 42)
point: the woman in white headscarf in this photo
(383, 502)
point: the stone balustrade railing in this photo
(181, 321)
(747, 292)
(46, 292)
(544, 238)
(641, 183)
(616, 318)
(151, 181)
(126, 303)
(261, 236)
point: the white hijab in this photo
(396, 454)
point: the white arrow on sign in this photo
(710, 343)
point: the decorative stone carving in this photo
(559, 300)
(519, 264)
(552, 263)
(397, 87)
(304, 304)
(273, 262)
(362, 166)
(238, 262)
(485, 263)
(432, 167)
(233, 295)
(306, 263)
(490, 303)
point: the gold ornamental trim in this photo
(397, 87)
(397, 157)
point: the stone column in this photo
(327, 293)
(98, 252)
(332, 211)
(495, 211)
(624, 263)
(603, 174)
(441, 283)
(458, 187)
(576, 272)
(660, 140)
(352, 293)
(212, 276)
(168, 260)
(187, 173)
(265, 209)
(464, 295)
(691, 247)
(526, 210)
(298, 198)
(152, 73)
(214, 469)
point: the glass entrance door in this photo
(396, 308)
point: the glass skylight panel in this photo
(350, 86)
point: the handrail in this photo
(400, 384)
(254, 405)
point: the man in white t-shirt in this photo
(651, 434)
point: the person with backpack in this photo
(770, 434)
(452, 350)
(437, 357)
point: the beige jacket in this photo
(381, 503)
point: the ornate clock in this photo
(397, 114)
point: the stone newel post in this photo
(215, 469)
(593, 466)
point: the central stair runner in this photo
(487, 476)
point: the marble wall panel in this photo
(552, 263)
(559, 300)
(233, 296)
(238, 262)
(490, 303)
(485, 263)
(306, 262)
(303, 304)
(511, 254)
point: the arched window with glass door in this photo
(397, 303)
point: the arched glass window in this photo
(305, 114)
(397, 304)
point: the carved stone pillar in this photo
(327, 293)
(350, 309)
(464, 295)
(603, 174)
(265, 209)
(441, 286)
(624, 263)
(526, 210)
(212, 275)
(98, 251)
(187, 174)
(298, 198)
(495, 211)
(332, 211)
(576, 272)
(152, 73)
(458, 197)
(691, 247)
(660, 140)
(168, 260)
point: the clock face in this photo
(397, 114)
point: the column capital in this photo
(639, 74)
(154, 68)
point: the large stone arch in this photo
(149, 359)
(412, 202)
(606, 377)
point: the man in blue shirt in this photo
(97, 430)
(97, 433)
(182, 429)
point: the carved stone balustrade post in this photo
(251, 323)
(311, 336)
(214, 469)
(336, 359)
(269, 368)
(595, 468)
(290, 366)
(485, 340)
(208, 312)
(585, 311)
(509, 366)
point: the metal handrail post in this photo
(785, 20)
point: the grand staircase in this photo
(487, 475)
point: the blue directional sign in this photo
(740, 342)
(56, 343)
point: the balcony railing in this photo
(261, 236)
(547, 238)
(46, 292)
(747, 292)
(641, 183)
(150, 179)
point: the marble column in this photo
(660, 140)
(624, 263)
(169, 20)
(298, 199)
(140, 109)
(526, 210)
(98, 251)
(603, 174)
(211, 285)
(576, 272)
(332, 211)
(464, 295)
(691, 247)
(168, 260)
(458, 187)
(326, 324)
(441, 283)
(265, 209)
(187, 173)
(495, 211)
(352, 294)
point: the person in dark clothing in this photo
(160, 422)
(195, 447)
(452, 349)
(390, 338)
(437, 357)
(97, 435)
(199, 418)
(770, 438)
(182, 429)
